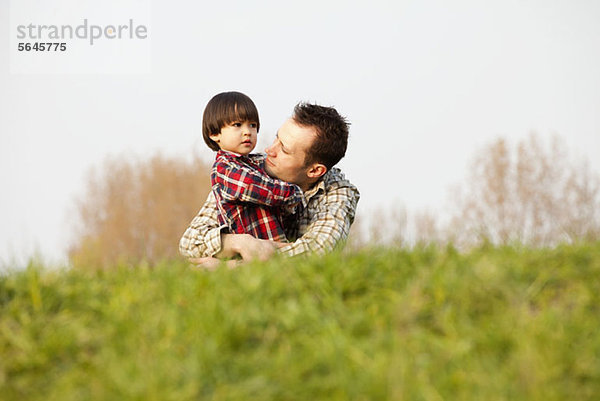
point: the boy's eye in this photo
(236, 124)
(253, 125)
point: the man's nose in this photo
(269, 151)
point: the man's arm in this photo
(204, 238)
(239, 182)
(329, 225)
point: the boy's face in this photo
(238, 137)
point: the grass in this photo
(425, 324)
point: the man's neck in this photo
(307, 186)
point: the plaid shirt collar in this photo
(229, 153)
(319, 186)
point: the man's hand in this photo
(206, 263)
(245, 245)
(248, 247)
(212, 263)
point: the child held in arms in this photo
(249, 201)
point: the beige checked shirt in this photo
(319, 227)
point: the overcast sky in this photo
(424, 83)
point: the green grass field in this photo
(381, 324)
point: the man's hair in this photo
(331, 141)
(226, 108)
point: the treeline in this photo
(136, 210)
(530, 192)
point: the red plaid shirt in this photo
(248, 200)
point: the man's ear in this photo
(317, 170)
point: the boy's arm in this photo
(329, 226)
(245, 184)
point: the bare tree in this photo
(426, 228)
(136, 211)
(387, 225)
(533, 195)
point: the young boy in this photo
(249, 201)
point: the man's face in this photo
(286, 156)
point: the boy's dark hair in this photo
(223, 109)
(332, 133)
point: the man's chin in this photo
(269, 171)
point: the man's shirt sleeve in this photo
(241, 183)
(329, 225)
(203, 237)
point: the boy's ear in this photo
(317, 170)
(215, 137)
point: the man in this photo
(306, 148)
